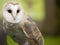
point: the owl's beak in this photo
(14, 18)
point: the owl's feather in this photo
(25, 30)
(20, 26)
(31, 30)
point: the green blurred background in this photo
(46, 14)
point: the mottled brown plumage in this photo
(30, 27)
(24, 32)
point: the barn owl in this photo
(20, 26)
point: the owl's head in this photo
(13, 12)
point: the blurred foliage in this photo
(52, 40)
(10, 41)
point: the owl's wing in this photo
(31, 31)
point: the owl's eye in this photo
(18, 11)
(10, 11)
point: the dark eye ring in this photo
(10, 11)
(18, 11)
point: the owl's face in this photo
(13, 12)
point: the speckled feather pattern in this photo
(20, 26)
(16, 31)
